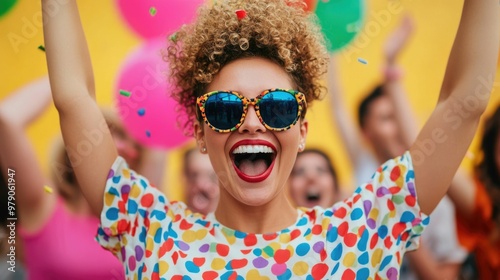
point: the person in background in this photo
(50, 206)
(440, 255)
(48, 209)
(7, 271)
(313, 180)
(202, 189)
(246, 71)
(477, 199)
(387, 127)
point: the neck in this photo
(381, 157)
(381, 154)
(79, 206)
(273, 216)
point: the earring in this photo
(301, 147)
(203, 150)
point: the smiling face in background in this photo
(247, 179)
(313, 182)
(126, 146)
(202, 190)
(381, 128)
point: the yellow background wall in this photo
(110, 41)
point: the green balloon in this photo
(6, 5)
(340, 21)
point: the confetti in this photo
(362, 61)
(48, 189)
(152, 11)
(125, 93)
(42, 48)
(148, 134)
(173, 37)
(141, 112)
(241, 14)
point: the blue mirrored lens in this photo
(278, 109)
(223, 110)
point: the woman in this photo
(53, 214)
(223, 66)
(478, 204)
(44, 217)
(200, 181)
(313, 181)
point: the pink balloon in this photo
(169, 16)
(149, 113)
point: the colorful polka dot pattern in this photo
(363, 237)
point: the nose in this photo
(251, 123)
(310, 177)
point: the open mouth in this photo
(313, 196)
(253, 162)
(201, 200)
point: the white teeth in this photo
(252, 149)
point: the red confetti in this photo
(241, 14)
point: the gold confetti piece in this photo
(48, 189)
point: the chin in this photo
(256, 196)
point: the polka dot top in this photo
(363, 237)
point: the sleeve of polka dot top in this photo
(384, 212)
(132, 208)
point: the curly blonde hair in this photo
(279, 30)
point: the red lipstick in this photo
(260, 177)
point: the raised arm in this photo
(17, 111)
(443, 142)
(348, 129)
(85, 132)
(393, 86)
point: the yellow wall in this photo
(110, 41)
